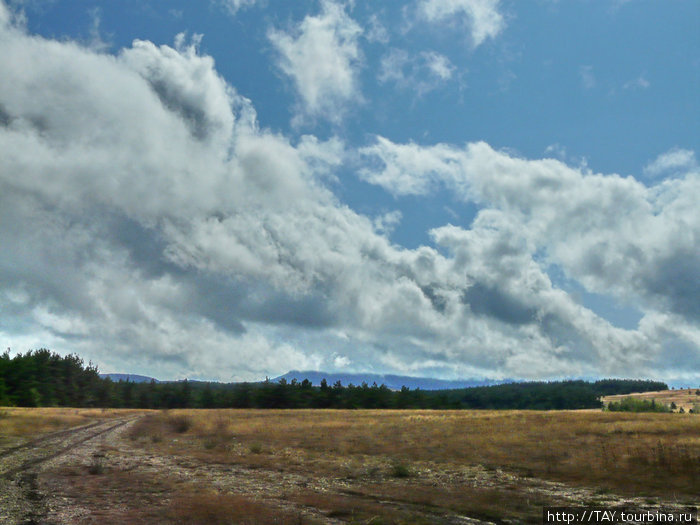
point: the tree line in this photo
(44, 378)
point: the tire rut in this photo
(20, 500)
(45, 438)
(71, 433)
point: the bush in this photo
(180, 424)
(401, 470)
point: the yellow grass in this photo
(638, 454)
(33, 422)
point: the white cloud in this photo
(613, 234)
(638, 83)
(410, 169)
(376, 31)
(97, 42)
(421, 73)
(5, 16)
(673, 161)
(233, 6)
(481, 17)
(388, 222)
(341, 362)
(439, 65)
(322, 57)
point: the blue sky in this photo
(235, 188)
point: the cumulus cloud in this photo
(481, 17)
(611, 233)
(420, 73)
(148, 221)
(321, 56)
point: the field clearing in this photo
(687, 399)
(369, 466)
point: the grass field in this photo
(649, 455)
(656, 454)
(382, 466)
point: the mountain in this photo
(393, 382)
(134, 378)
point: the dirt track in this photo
(20, 501)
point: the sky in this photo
(231, 189)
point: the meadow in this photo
(471, 462)
(367, 466)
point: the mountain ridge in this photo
(392, 381)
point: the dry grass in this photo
(214, 508)
(637, 454)
(486, 503)
(686, 398)
(361, 508)
(32, 422)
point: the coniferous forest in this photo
(44, 378)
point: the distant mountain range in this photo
(393, 382)
(134, 378)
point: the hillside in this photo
(687, 399)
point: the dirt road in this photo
(20, 465)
